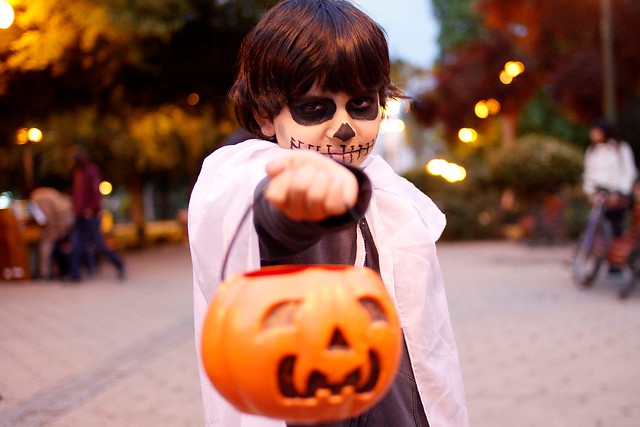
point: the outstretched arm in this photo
(307, 186)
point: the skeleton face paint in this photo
(312, 110)
(345, 133)
(338, 125)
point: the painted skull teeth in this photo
(348, 153)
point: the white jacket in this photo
(611, 166)
(405, 225)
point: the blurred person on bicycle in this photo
(609, 166)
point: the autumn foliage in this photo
(560, 43)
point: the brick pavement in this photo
(534, 349)
(102, 353)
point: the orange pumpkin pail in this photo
(302, 343)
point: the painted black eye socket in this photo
(363, 108)
(374, 309)
(309, 113)
(313, 108)
(362, 103)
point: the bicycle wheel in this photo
(634, 266)
(590, 253)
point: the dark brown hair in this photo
(302, 42)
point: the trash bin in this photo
(14, 258)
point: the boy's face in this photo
(338, 125)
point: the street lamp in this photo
(28, 137)
(6, 15)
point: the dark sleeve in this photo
(280, 236)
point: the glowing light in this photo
(514, 68)
(105, 188)
(454, 173)
(451, 172)
(34, 135)
(392, 108)
(193, 99)
(436, 166)
(22, 136)
(392, 126)
(505, 78)
(467, 135)
(6, 15)
(493, 106)
(481, 109)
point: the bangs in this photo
(351, 75)
(339, 53)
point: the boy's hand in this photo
(306, 186)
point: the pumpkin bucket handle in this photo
(352, 212)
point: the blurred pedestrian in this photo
(609, 165)
(56, 219)
(86, 234)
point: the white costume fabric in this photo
(405, 225)
(611, 166)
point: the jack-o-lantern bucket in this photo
(304, 344)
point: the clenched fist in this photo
(307, 186)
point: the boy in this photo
(312, 82)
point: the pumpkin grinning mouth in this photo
(318, 381)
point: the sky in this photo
(410, 26)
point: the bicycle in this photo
(594, 243)
(597, 245)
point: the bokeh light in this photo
(450, 172)
(467, 135)
(34, 135)
(193, 99)
(514, 68)
(389, 125)
(436, 166)
(392, 108)
(481, 109)
(6, 15)
(505, 78)
(105, 188)
(493, 106)
(454, 173)
(22, 136)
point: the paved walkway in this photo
(535, 350)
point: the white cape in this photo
(405, 225)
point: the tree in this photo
(115, 76)
(459, 23)
(70, 53)
(559, 42)
(469, 76)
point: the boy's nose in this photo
(344, 133)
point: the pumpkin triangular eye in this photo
(374, 309)
(282, 314)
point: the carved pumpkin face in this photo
(302, 343)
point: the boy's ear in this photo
(266, 124)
